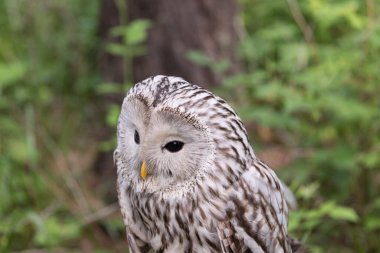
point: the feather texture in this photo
(214, 195)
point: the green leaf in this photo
(113, 115)
(52, 231)
(107, 88)
(372, 223)
(343, 213)
(136, 32)
(133, 33)
(10, 73)
(268, 117)
(338, 212)
(221, 66)
(199, 57)
(117, 49)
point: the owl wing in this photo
(132, 243)
(256, 214)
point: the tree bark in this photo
(179, 26)
(111, 66)
(209, 26)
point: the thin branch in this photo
(67, 173)
(101, 213)
(371, 13)
(37, 250)
(301, 21)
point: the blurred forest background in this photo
(303, 75)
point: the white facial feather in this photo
(167, 171)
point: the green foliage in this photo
(317, 94)
(201, 59)
(320, 96)
(46, 82)
(133, 35)
(51, 114)
(309, 220)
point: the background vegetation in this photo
(309, 94)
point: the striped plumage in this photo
(213, 195)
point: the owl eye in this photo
(137, 137)
(174, 146)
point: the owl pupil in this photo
(174, 146)
(137, 137)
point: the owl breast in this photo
(185, 225)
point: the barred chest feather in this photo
(184, 225)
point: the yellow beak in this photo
(143, 171)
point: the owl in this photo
(188, 179)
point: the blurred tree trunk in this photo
(177, 27)
(111, 66)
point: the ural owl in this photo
(188, 179)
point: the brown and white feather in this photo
(215, 196)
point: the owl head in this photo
(172, 133)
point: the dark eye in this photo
(174, 146)
(137, 137)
